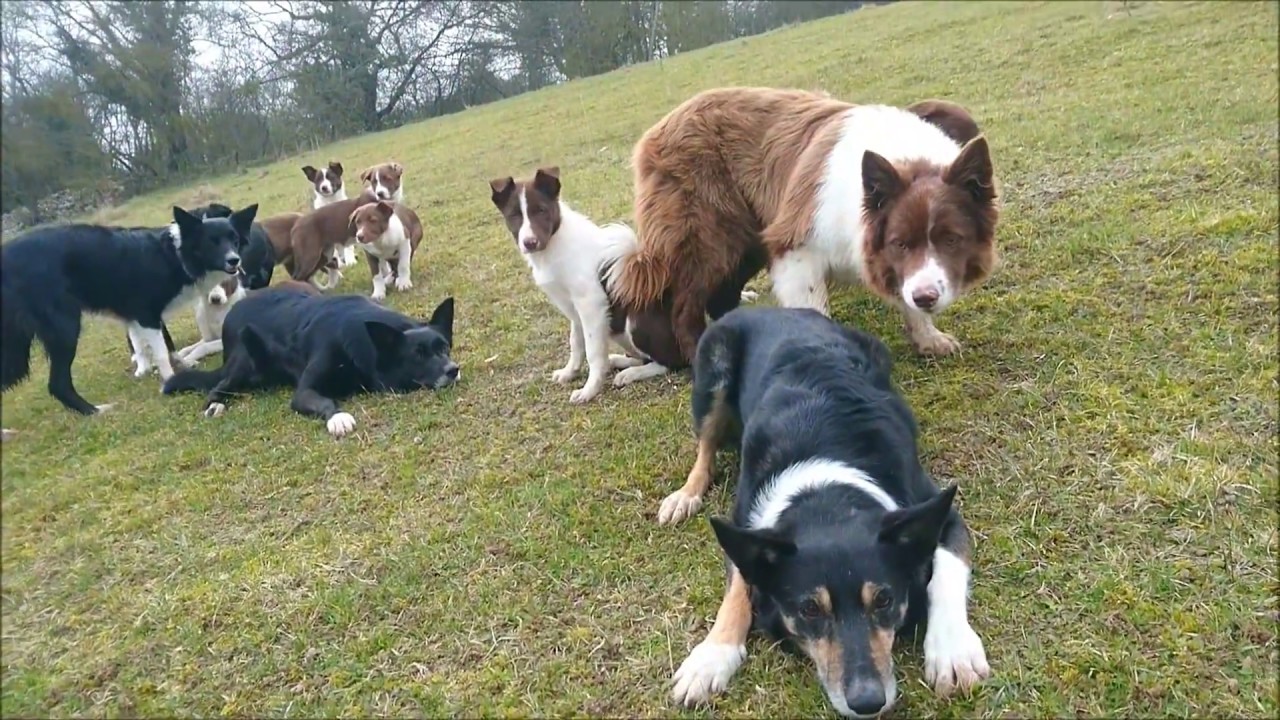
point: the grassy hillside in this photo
(493, 550)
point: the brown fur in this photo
(390, 173)
(369, 221)
(278, 229)
(315, 234)
(726, 182)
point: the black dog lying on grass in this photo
(327, 348)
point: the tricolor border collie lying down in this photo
(51, 276)
(325, 347)
(839, 539)
(901, 200)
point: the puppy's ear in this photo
(367, 175)
(351, 222)
(242, 221)
(397, 168)
(880, 181)
(385, 208)
(547, 181)
(310, 172)
(502, 188)
(386, 339)
(189, 226)
(913, 532)
(753, 552)
(442, 320)
(335, 167)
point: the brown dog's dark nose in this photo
(925, 299)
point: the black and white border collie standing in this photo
(839, 538)
(51, 276)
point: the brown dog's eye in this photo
(809, 610)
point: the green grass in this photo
(492, 550)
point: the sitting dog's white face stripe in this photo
(802, 477)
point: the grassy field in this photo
(493, 550)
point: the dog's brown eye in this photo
(809, 610)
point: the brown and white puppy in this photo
(389, 235)
(316, 234)
(210, 312)
(327, 187)
(734, 179)
(386, 181)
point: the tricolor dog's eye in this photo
(810, 610)
(883, 601)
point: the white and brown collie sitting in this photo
(572, 259)
(902, 200)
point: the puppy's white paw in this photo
(214, 410)
(749, 295)
(378, 295)
(403, 283)
(678, 506)
(622, 362)
(954, 658)
(104, 408)
(141, 372)
(585, 393)
(341, 424)
(7, 434)
(706, 671)
(564, 374)
(632, 374)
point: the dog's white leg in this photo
(577, 344)
(928, 339)
(799, 280)
(202, 350)
(638, 373)
(593, 315)
(714, 661)
(953, 653)
(622, 362)
(348, 255)
(141, 351)
(154, 339)
(380, 281)
(403, 281)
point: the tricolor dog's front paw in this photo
(678, 506)
(706, 672)
(954, 658)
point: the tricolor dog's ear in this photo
(547, 181)
(335, 167)
(913, 532)
(754, 552)
(502, 188)
(442, 320)
(310, 172)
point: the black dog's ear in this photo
(189, 226)
(753, 552)
(386, 339)
(242, 221)
(547, 181)
(442, 320)
(501, 188)
(914, 531)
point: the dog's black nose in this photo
(233, 261)
(865, 698)
(925, 299)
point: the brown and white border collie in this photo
(389, 235)
(386, 181)
(734, 179)
(327, 188)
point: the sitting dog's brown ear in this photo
(502, 188)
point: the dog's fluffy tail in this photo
(641, 275)
(16, 334)
(193, 381)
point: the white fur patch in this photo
(953, 652)
(706, 671)
(175, 235)
(526, 228)
(341, 424)
(808, 475)
(930, 276)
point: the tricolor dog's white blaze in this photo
(809, 475)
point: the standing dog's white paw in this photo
(104, 408)
(584, 393)
(935, 343)
(706, 671)
(953, 658)
(403, 283)
(341, 424)
(678, 506)
(622, 362)
(214, 410)
(378, 295)
(749, 295)
(564, 375)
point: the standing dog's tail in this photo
(17, 331)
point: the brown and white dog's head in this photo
(530, 207)
(327, 181)
(370, 221)
(386, 181)
(226, 292)
(931, 228)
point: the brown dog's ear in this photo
(367, 175)
(385, 208)
(880, 181)
(972, 171)
(397, 168)
(547, 181)
(335, 167)
(351, 222)
(310, 172)
(502, 188)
